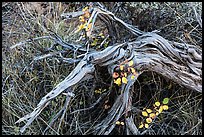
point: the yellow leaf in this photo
(130, 63)
(146, 125)
(118, 81)
(149, 120)
(86, 14)
(80, 27)
(152, 115)
(122, 123)
(101, 34)
(135, 73)
(117, 122)
(157, 103)
(144, 113)
(94, 43)
(160, 109)
(157, 113)
(81, 18)
(121, 67)
(165, 107)
(149, 110)
(125, 74)
(88, 27)
(124, 80)
(132, 70)
(132, 77)
(84, 9)
(141, 126)
(98, 91)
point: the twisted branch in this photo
(181, 63)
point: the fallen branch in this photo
(181, 63)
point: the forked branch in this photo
(181, 63)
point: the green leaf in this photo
(165, 101)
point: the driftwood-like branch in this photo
(181, 63)
(78, 74)
(118, 109)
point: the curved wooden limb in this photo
(181, 63)
(120, 107)
(77, 75)
(184, 66)
(131, 126)
(80, 73)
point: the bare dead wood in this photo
(181, 63)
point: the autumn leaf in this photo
(161, 109)
(152, 115)
(124, 80)
(98, 91)
(122, 123)
(85, 8)
(149, 110)
(125, 74)
(130, 63)
(135, 73)
(117, 122)
(157, 103)
(88, 27)
(132, 77)
(141, 125)
(81, 18)
(146, 125)
(144, 113)
(80, 28)
(165, 107)
(118, 81)
(86, 14)
(115, 75)
(132, 70)
(149, 120)
(121, 67)
(102, 36)
(94, 43)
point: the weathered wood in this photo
(181, 63)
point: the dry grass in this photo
(25, 82)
